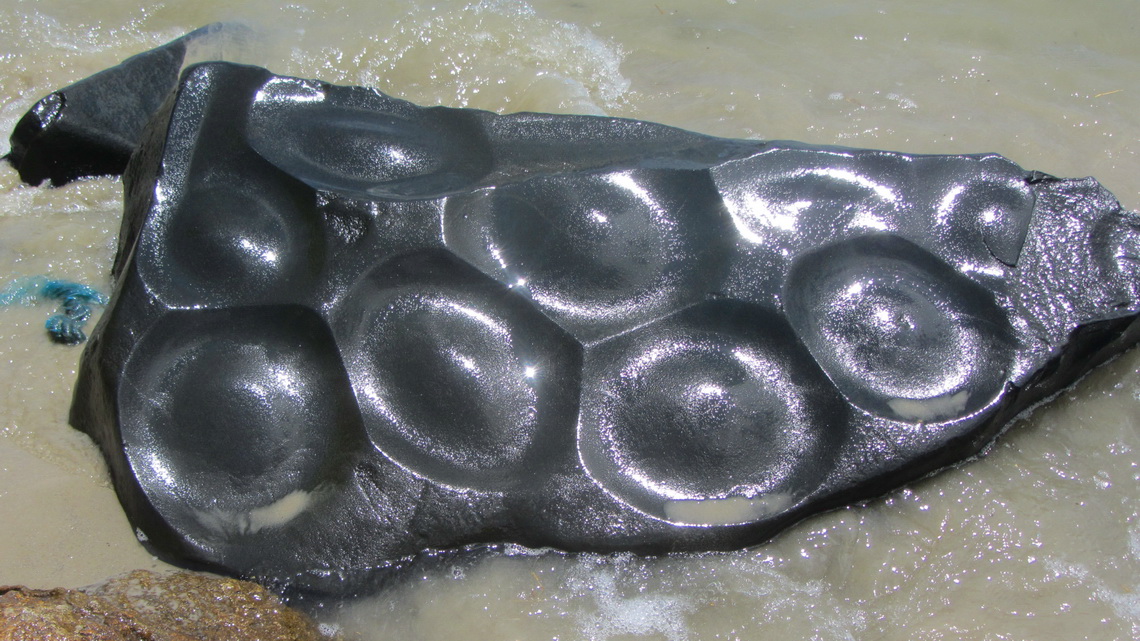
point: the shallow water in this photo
(1040, 539)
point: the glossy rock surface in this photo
(90, 128)
(347, 329)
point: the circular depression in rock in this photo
(598, 253)
(899, 331)
(366, 151)
(231, 246)
(714, 417)
(790, 199)
(224, 414)
(458, 379)
(1000, 209)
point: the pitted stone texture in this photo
(348, 329)
(457, 378)
(253, 406)
(598, 252)
(715, 403)
(897, 330)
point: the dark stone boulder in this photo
(347, 329)
(91, 128)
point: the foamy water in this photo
(1039, 539)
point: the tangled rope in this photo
(75, 304)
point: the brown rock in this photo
(145, 606)
(61, 615)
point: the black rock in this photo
(347, 329)
(91, 128)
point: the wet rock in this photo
(91, 128)
(145, 606)
(347, 329)
(28, 614)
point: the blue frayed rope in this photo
(76, 301)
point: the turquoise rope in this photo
(76, 302)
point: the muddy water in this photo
(1040, 539)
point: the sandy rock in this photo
(146, 606)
